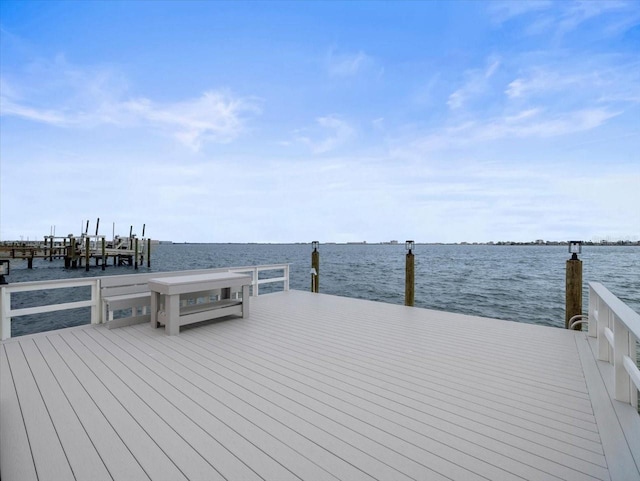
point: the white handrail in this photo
(617, 328)
(95, 301)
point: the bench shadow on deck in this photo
(313, 387)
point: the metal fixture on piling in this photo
(573, 285)
(409, 282)
(315, 267)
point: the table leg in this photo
(246, 301)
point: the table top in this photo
(197, 282)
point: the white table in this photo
(166, 291)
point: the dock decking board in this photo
(312, 387)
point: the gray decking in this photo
(313, 387)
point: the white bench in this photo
(131, 293)
(166, 301)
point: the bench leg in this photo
(172, 312)
(246, 301)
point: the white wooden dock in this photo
(314, 387)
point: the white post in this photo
(620, 350)
(593, 313)
(634, 359)
(96, 317)
(255, 281)
(603, 321)
(5, 320)
(286, 276)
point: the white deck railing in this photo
(95, 301)
(617, 329)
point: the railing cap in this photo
(627, 316)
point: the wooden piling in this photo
(573, 291)
(104, 254)
(148, 252)
(409, 278)
(315, 264)
(87, 254)
(135, 254)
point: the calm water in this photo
(521, 283)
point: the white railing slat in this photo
(632, 370)
(618, 332)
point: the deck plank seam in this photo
(457, 413)
(161, 337)
(15, 389)
(106, 418)
(107, 339)
(72, 407)
(134, 418)
(421, 393)
(44, 402)
(360, 348)
(524, 452)
(150, 408)
(204, 408)
(363, 335)
(328, 432)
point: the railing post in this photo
(96, 317)
(593, 313)
(603, 321)
(622, 383)
(255, 281)
(5, 320)
(632, 353)
(286, 277)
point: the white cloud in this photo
(477, 82)
(71, 97)
(339, 133)
(501, 11)
(561, 18)
(347, 65)
(213, 117)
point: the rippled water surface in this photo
(521, 283)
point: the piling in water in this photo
(573, 291)
(409, 278)
(315, 267)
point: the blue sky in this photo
(335, 121)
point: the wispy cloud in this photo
(214, 117)
(329, 133)
(527, 124)
(477, 82)
(72, 97)
(347, 64)
(561, 18)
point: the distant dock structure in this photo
(83, 250)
